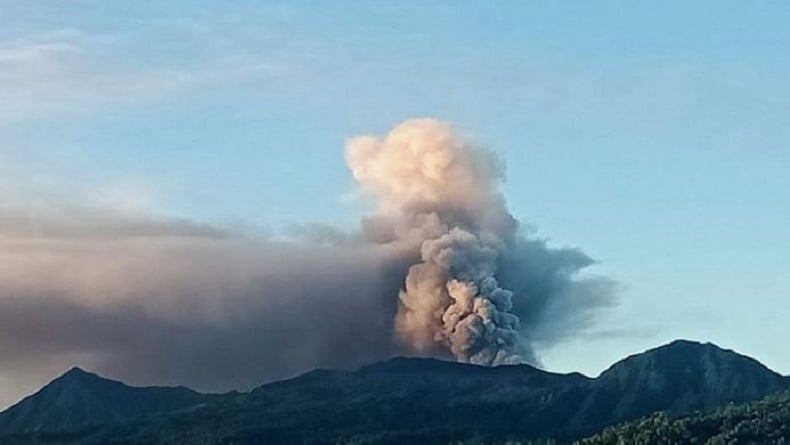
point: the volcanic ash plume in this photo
(163, 301)
(438, 194)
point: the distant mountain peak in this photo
(78, 373)
(79, 398)
(682, 350)
(699, 350)
(686, 374)
(683, 343)
(686, 342)
(78, 379)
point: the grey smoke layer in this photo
(441, 268)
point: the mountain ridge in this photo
(377, 403)
(77, 394)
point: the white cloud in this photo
(69, 73)
(127, 197)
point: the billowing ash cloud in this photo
(440, 194)
(441, 268)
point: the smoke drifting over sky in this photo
(440, 268)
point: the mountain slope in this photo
(78, 399)
(424, 401)
(416, 400)
(764, 421)
(679, 377)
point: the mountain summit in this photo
(695, 368)
(678, 377)
(403, 400)
(78, 399)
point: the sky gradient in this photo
(653, 137)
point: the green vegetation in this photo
(766, 421)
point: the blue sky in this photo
(653, 136)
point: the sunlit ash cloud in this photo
(441, 268)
